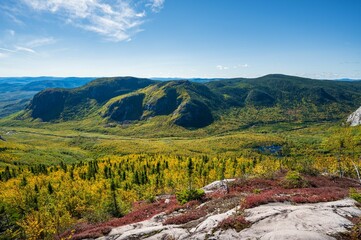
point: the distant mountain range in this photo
(199, 80)
(195, 105)
(347, 79)
(16, 92)
(11, 84)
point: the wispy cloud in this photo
(10, 12)
(29, 46)
(221, 67)
(241, 66)
(156, 5)
(116, 20)
(24, 49)
(41, 42)
(15, 19)
(5, 52)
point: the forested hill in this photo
(195, 105)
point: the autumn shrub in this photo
(355, 233)
(256, 191)
(355, 194)
(186, 217)
(237, 223)
(96, 215)
(189, 194)
(303, 195)
(293, 179)
(192, 204)
(141, 212)
(257, 199)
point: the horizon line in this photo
(180, 78)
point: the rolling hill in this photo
(196, 105)
(188, 104)
(69, 104)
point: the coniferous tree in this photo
(190, 169)
(50, 188)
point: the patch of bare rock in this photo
(279, 221)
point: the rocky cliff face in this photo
(355, 118)
(48, 105)
(126, 109)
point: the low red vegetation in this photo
(249, 185)
(143, 211)
(186, 217)
(323, 189)
(303, 195)
(235, 222)
(254, 191)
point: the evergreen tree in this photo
(50, 188)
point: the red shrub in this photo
(143, 211)
(192, 204)
(186, 217)
(323, 189)
(236, 222)
(302, 195)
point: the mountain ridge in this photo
(194, 105)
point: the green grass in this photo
(37, 142)
(236, 132)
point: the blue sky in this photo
(181, 38)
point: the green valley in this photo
(88, 154)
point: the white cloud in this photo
(220, 67)
(6, 11)
(28, 47)
(156, 5)
(241, 66)
(24, 49)
(7, 50)
(116, 21)
(41, 42)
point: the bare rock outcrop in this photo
(355, 118)
(305, 221)
(318, 221)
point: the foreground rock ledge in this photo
(271, 221)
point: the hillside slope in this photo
(70, 104)
(196, 105)
(188, 104)
(287, 91)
